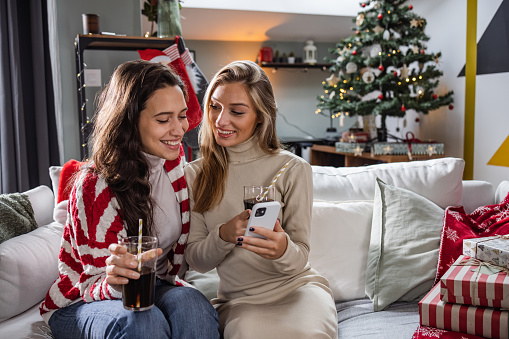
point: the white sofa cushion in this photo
(502, 191)
(339, 244)
(28, 267)
(403, 249)
(42, 202)
(439, 180)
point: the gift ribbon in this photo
(479, 263)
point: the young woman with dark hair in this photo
(136, 172)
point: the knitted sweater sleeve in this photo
(96, 223)
(93, 223)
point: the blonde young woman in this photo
(267, 288)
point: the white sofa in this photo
(345, 244)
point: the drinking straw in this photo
(260, 198)
(140, 226)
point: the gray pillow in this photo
(403, 250)
(17, 216)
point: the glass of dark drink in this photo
(256, 194)
(138, 294)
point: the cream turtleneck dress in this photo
(257, 297)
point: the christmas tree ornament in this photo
(380, 16)
(375, 51)
(413, 23)
(403, 108)
(368, 77)
(404, 72)
(360, 19)
(380, 96)
(381, 68)
(378, 29)
(357, 32)
(363, 5)
(395, 73)
(417, 120)
(351, 67)
(332, 80)
(434, 96)
(451, 107)
(410, 7)
(354, 52)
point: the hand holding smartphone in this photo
(263, 214)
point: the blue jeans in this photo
(178, 312)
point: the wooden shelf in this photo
(276, 65)
(324, 155)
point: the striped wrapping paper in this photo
(478, 320)
(461, 285)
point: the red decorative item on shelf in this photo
(381, 68)
(380, 16)
(265, 54)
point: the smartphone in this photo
(263, 214)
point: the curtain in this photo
(28, 135)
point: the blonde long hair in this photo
(209, 186)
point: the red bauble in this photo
(403, 108)
(381, 96)
(417, 119)
(410, 7)
(451, 107)
(423, 51)
(354, 52)
(381, 68)
(380, 16)
(357, 32)
(395, 73)
(435, 96)
(363, 5)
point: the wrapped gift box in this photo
(491, 249)
(486, 322)
(462, 285)
(349, 147)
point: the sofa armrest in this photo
(477, 193)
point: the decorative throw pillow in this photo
(17, 216)
(403, 250)
(339, 245)
(483, 222)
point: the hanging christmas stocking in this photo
(195, 74)
(172, 59)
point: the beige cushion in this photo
(404, 245)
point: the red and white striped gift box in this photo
(461, 285)
(482, 321)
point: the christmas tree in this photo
(383, 69)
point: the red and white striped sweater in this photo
(93, 223)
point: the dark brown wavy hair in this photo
(117, 149)
(209, 186)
